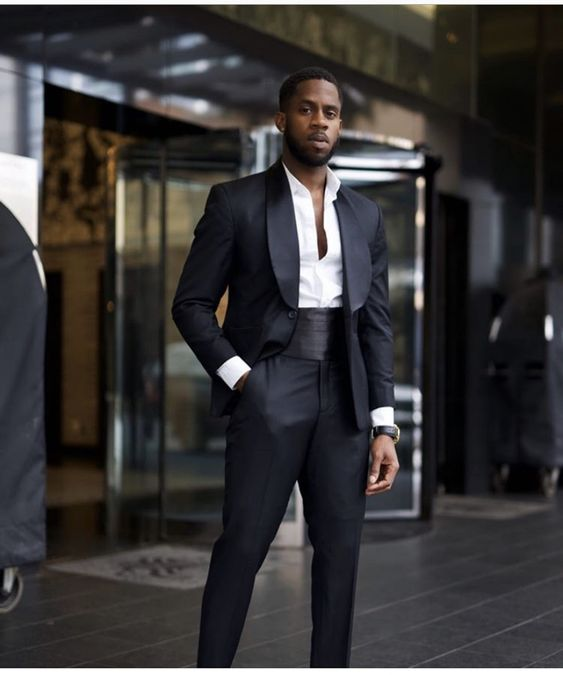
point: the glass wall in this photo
(165, 451)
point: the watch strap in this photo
(391, 431)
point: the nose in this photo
(318, 120)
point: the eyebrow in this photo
(328, 105)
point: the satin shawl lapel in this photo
(283, 243)
(356, 259)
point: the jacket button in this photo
(292, 314)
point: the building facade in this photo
(476, 86)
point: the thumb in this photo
(374, 471)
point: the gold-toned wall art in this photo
(74, 184)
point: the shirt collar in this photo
(331, 188)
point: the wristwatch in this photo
(393, 431)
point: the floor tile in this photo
(285, 652)
(466, 658)
(399, 653)
(552, 661)
(518, 646)
(65, 653)
(174, 653)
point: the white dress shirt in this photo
(320, 281)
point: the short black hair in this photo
(289, 85)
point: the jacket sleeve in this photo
(203, 281)
(374, 326)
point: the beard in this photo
(305, 155)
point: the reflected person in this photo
(303, 365)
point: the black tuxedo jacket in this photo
(246, 240)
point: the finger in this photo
(377, 491)
(380, 486)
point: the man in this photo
(302, 363)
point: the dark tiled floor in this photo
(466, 593)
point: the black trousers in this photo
(293, 422)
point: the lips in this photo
(318, 138)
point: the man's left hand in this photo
(384, 465)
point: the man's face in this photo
(311, 123)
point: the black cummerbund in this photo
(319, 334)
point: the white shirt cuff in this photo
(382, 417)
(232, 370)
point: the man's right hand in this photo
(241, 381)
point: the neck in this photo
(312, 177)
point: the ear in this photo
(279, 120)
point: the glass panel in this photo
(392, 176)
(195, 441)
(133, 469)
(397, 199)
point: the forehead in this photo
(317, 90)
